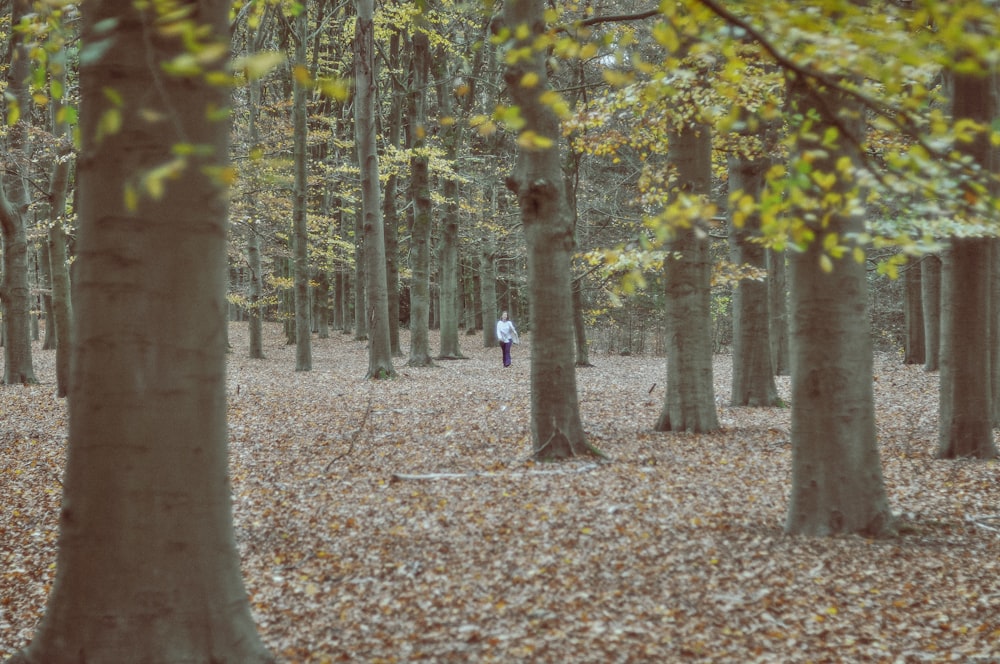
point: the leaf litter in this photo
(403, 520)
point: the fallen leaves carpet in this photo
(402, 521)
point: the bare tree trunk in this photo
(389, 213)
(837, 484)
(538, 183)
(753, 374)
(777, 297)
(930, 295)
(148, 569)
(300, 234)
(14, 291)
(966, 408)
(913, 313)
(379, 349)
(689, 400)
(420, 236)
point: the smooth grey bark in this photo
(379, 348)
(537, 181)
(488, 286)
(57, 243)
(930, 295)
(777, 298)
(255, 317)
(913, 315)
(360, 281)
(753, 373)
(579, 325)
(44, 283)
(390, 215)
(448, 260)
(689, 399)
(14, 203)
(965, 416)
(300, 229)
(837, 484)
(965, 419)
(148, 569)
(420, 192)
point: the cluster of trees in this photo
(326, 152)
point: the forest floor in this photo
(402, 520)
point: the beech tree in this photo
(966, 410)
(147, 567)
(837, 484)
(300, 232)
(537, 182)
(14, 201)
(379, 348)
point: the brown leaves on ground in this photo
(401, 520)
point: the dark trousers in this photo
(505, 345)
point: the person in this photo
(506, 335)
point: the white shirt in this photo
(505, 331)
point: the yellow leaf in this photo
(311, 589)
(586, 531)
(826, 263)
(530, 140)
(529, 80)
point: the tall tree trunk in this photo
(256, 315)
(966, 404)
(379, 349)
(689, 401)
(58, 240)
(488, 286)
(148, 569)
(913, 313)
(837, 482)
(753, 374)
(930, 295)
(14, 292)
(360, 279)
(420, 235)
(777, 298)
(579, 325)
(300, 234)
(538, 183)
(389, 213)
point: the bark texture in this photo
(689, 399)
(420, 236)
(753, 374)
(148, 569)
(837, 484)
(379, 348)
(537, 182)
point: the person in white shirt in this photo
(506, 335)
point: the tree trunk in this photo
(255, 316)
(14, 201)
(913, 312)
(966, 410)
(360, 279)
(538, 183)
(148, 569)
(837, 482)
(930, 295)
(777, 298)
(300, 233)
(389, 213)
(379, 348)
(420, 236)
(753, 373)
(689, 401)
(488, 285)
(451, 138)
(579, 326)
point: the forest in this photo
(253, 258)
